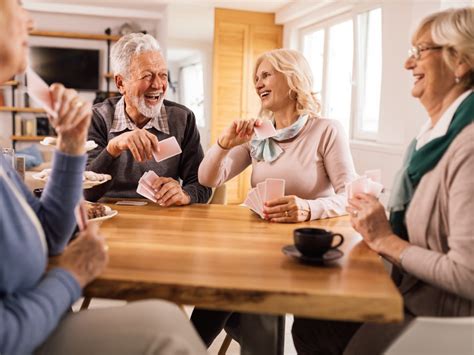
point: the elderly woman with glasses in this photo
(429, 237)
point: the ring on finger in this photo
(355, 213)
(286, 213)
(78, 104)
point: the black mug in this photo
(38, 192)
(315, 241)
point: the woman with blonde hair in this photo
(429, 238)
(309, 152)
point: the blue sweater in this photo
(32, 300)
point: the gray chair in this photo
(436, 336)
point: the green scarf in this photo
(418, 162)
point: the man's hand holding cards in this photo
(162, 190)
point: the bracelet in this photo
(221, 145)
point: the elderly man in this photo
(127, 129)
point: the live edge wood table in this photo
(225, 257)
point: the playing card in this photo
(38, 90)
(265, 130)
(253, 195)
(374, 175)
(250, 204)
(258, 199)
(131, 203)
(374, 188)
(148, 179)
(81, 215)
(275, 188)
(261, 188)
(359, 186)
(143, 190)
(169, 147)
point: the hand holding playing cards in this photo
(169, 192)
(287, 209)
(369, 219)
(140, 142)
(86, 256)
(72, 121)
(239, 132)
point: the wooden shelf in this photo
(28, 138)
(21, 109)
(75, 35)
(11, 83)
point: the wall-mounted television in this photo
(74, 68)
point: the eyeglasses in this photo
(416, 51)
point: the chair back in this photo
(219, 195)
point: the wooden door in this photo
(239, 38)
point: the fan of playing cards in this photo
(145, 185)
(265, 191)
(369, 183)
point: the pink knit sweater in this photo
(315, 165)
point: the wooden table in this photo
(225, 257)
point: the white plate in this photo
(109, 214)
(51, 142)
(86, 184)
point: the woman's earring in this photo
(457, 79)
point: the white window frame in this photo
(355, 131)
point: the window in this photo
(369, 63)
(337, 100)
(192, 91)
(314, 52)
(345, 56)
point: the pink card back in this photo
(169, 147)
(359, 186)
(266, 130)
(261, 188)
(142, 190)
(275, 188)
(80, 213)
(149, 177)
(39, 91)
(253, 194)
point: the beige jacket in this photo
(439, 279)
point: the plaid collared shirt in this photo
(122, 121)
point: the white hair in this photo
(127, 46)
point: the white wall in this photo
(198, 51)
(401, 115)
(191, 29)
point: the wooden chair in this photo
(219, 195)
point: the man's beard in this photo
(149, 112)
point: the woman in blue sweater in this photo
(34, 303)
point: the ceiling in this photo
(250, 5)
(190, 22)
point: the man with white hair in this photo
(127, 129)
